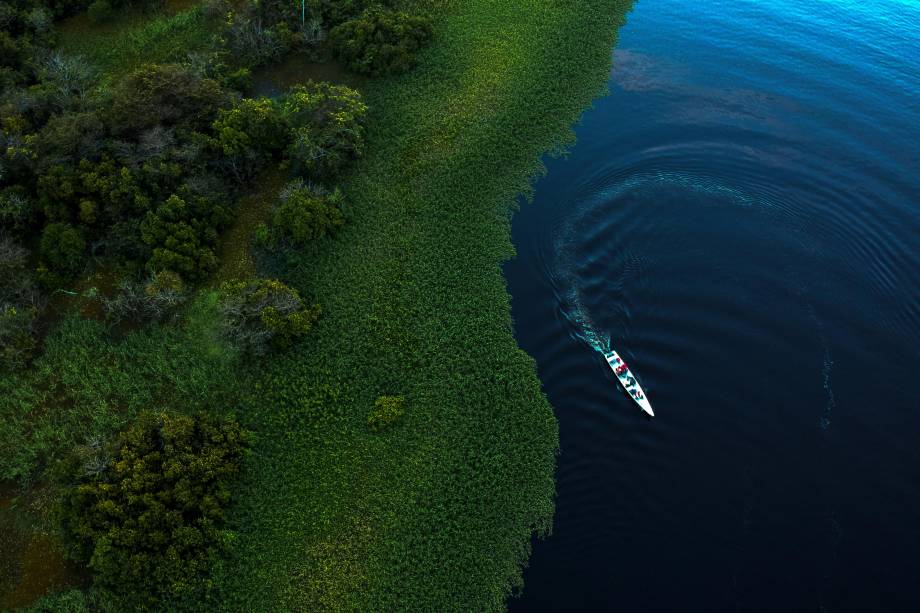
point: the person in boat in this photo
(630, 380)
(621, 369)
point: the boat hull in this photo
(628, 380)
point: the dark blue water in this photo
(741, 218)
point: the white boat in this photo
(628, 381)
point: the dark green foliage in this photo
(68, 138)
(87, 383)
(26, 31)
(387, 411)
(182, 234)
(134, 179)
(20, 305)
(164, 94)
(100, 10)
(381, 41)
(249, 134)
(264, 314)
(304, 215)
(146, 514)
(17, 341)
(63, 248)
(327, 128)
(438, 513)
(16, 210)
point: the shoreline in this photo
(440, 512)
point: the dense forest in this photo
(221, 304)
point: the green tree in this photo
(16, 210)
(63, 248)
(146, 512)
(264, 314)
(249, 134)
(164, 94)
(381, 40)
(182, 233)
(303, 216)
(327, 128)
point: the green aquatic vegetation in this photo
(439, 513)
(387, 411)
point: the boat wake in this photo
(583, 327)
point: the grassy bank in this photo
(437, 512)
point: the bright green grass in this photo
(437, 513)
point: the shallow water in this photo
(741, 219)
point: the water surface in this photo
(741, 220)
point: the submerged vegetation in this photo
(403, 453)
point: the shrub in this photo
(62, 248)
(327, 128)
(164, 94)
(251, 41)
(380, 41)
(147, 510)
(332, 12)
(182, 233)
(66, 78)
(387, 410)
(16, 210)
(151, 300)
(304, 215)
(264, 314)
(248, 134)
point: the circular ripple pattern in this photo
(741, 220)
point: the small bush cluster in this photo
(305, 214)
(26, 32)
(265, 314)
(387, 411)
(146, 512)
(327, 128)
(370, 38)
(151, 300)
(381, 41)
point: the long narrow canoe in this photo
(628, 381)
